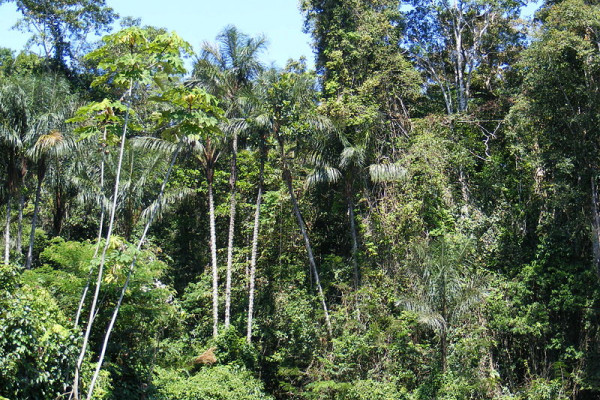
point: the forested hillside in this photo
(417, 218)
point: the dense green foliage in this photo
(417, 219)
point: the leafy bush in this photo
(222, 382)
(37, 345)
(543, 389)
(367, 389)
(232, 348)
(147, 314)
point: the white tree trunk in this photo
(129, 274)
(98, 240)
(233, 184)
(213, 253)
(458, 28)
(88, 329)
(251, 281)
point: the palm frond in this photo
(51, 144)
(14, 115)
(425, 313)
(323, 174)
(236, 125)
(149, 143)
(353, 156)
(165, 203)
(264, 121)
(386, 172)
(88, 197)
(473, 292)
(10, 137)
(319, 122)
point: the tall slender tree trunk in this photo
(101, 224)
(99, 238)
(287, 176)
(251, 280)
(7, 232)
(595, 226)
(129, 274)
(88, 329)
(60, 211)
(36, 208)
(213, 253)
(464, 188)
(444, 349)
(128, 212)
(355, 268)
(20, 223)
(444, 332)
(460, 59)
(22, 173)
(233, 184)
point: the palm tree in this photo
(207, 151)
(330, 166)
(48, 147)
(289, 107)
(14, 116)
(227, 70)
(51, 102)
(445, 288)
(30, 109)
(337, 159)
(206, 141)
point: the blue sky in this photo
(198, 21)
